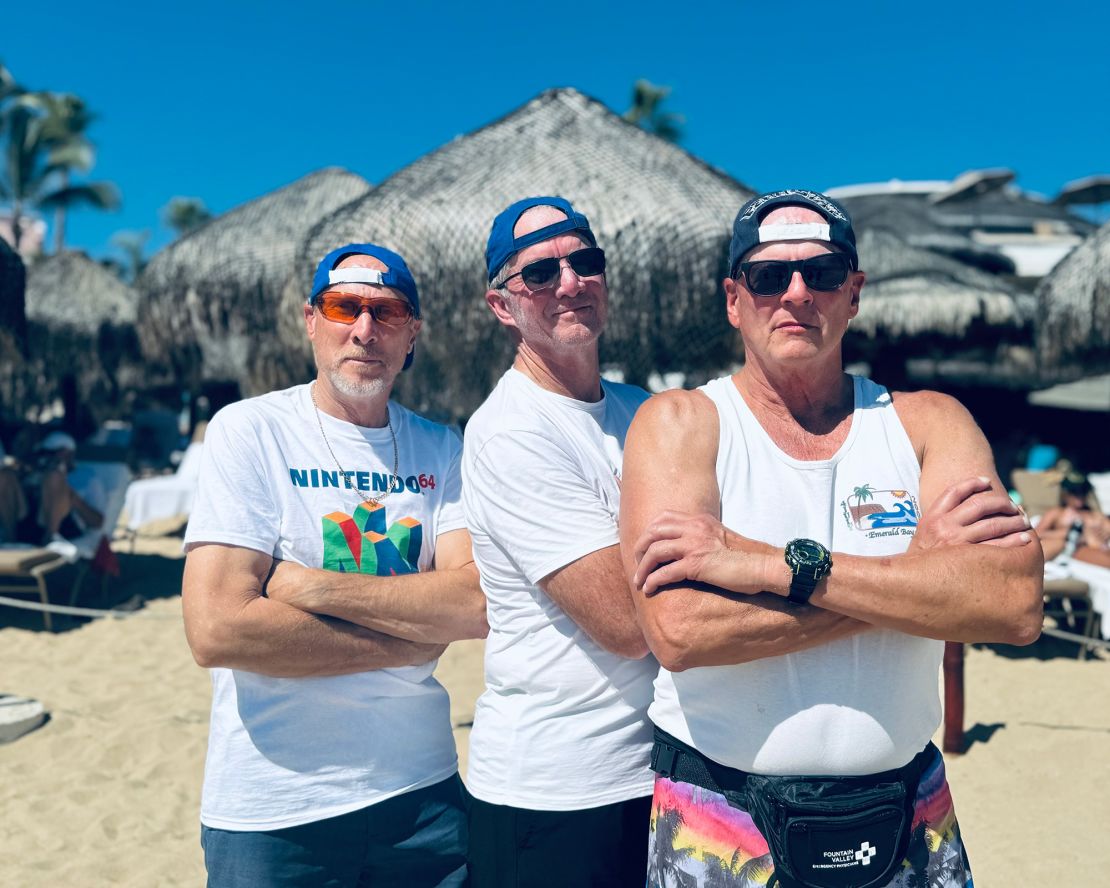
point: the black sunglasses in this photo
(584, 263)
(771, 277)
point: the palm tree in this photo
(863, 492)
(183, 214)
(132, 244)
(646, 113)
(45, 145)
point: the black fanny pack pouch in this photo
(834, 832)
(823, 832)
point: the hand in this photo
(677, 547)
(970, 511)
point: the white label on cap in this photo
(355, 276)
(794, 231)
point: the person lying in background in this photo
(1073, 528)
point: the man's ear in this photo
(732, 294)
(309, 320)
(496, 301)
(858, 280)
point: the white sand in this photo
(107, 792)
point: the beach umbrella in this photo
(1073, 312)
(920, 304)
(662, 215)
(81, 337)
(1089, 190)
(210, 299)
(916, 221)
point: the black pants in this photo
(602, 847)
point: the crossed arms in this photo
(706, 595)
(313, 622)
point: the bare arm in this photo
(228, 623)
(436, 606)
(669, 464)
(593, 592)
(959, 591)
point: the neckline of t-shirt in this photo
(586, 406)
(749, 419)
(342, 428)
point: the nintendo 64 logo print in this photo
(875, 513)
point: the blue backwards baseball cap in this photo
(748, 232)
(502, 245)
(398, 275)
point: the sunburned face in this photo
(801, 323)
(362, 359)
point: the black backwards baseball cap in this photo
(748, 233)
(502, 245)
(398, 276)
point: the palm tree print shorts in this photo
(698, 840)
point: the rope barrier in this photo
(1080, 639)
(94, 613)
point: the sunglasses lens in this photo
(768, 278)
(540, 272)
(339, 308)
(393, 312)
(826, 272)
(587, 262)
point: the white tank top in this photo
(854, 706)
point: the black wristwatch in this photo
(809, 561)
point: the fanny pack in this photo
(823, 832)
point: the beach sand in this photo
(108, 791)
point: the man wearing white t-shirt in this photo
(328, 566)
(558, 766)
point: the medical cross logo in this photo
(865, 853)
(361, 543)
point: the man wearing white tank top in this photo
(558, 766)
(799, 543)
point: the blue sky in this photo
(228, 100)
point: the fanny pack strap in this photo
(672, 758)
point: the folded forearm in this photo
(432, 607)
(271, 638)
(958, 593)
(691, 626)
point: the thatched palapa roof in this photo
(1073, 312)
(80, 334)
(914, 220)
(911, 292)
(213, 295)
(13, 280)
(70, 290)
(662, 215)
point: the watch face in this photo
(807, 553)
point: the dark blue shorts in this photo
(416, 840)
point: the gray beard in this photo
(358, 389)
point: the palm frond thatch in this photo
(1073, 312)
(70, 290)
(81, 340)
(912, 292)
(662, 215)
(13, 281)
(212, 296)
(913, 219)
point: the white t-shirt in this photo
(562, 724)
(856, 705)
(288, 751)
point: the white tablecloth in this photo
(155, 499)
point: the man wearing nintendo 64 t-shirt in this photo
(328, 566)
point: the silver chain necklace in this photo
(374, 500)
